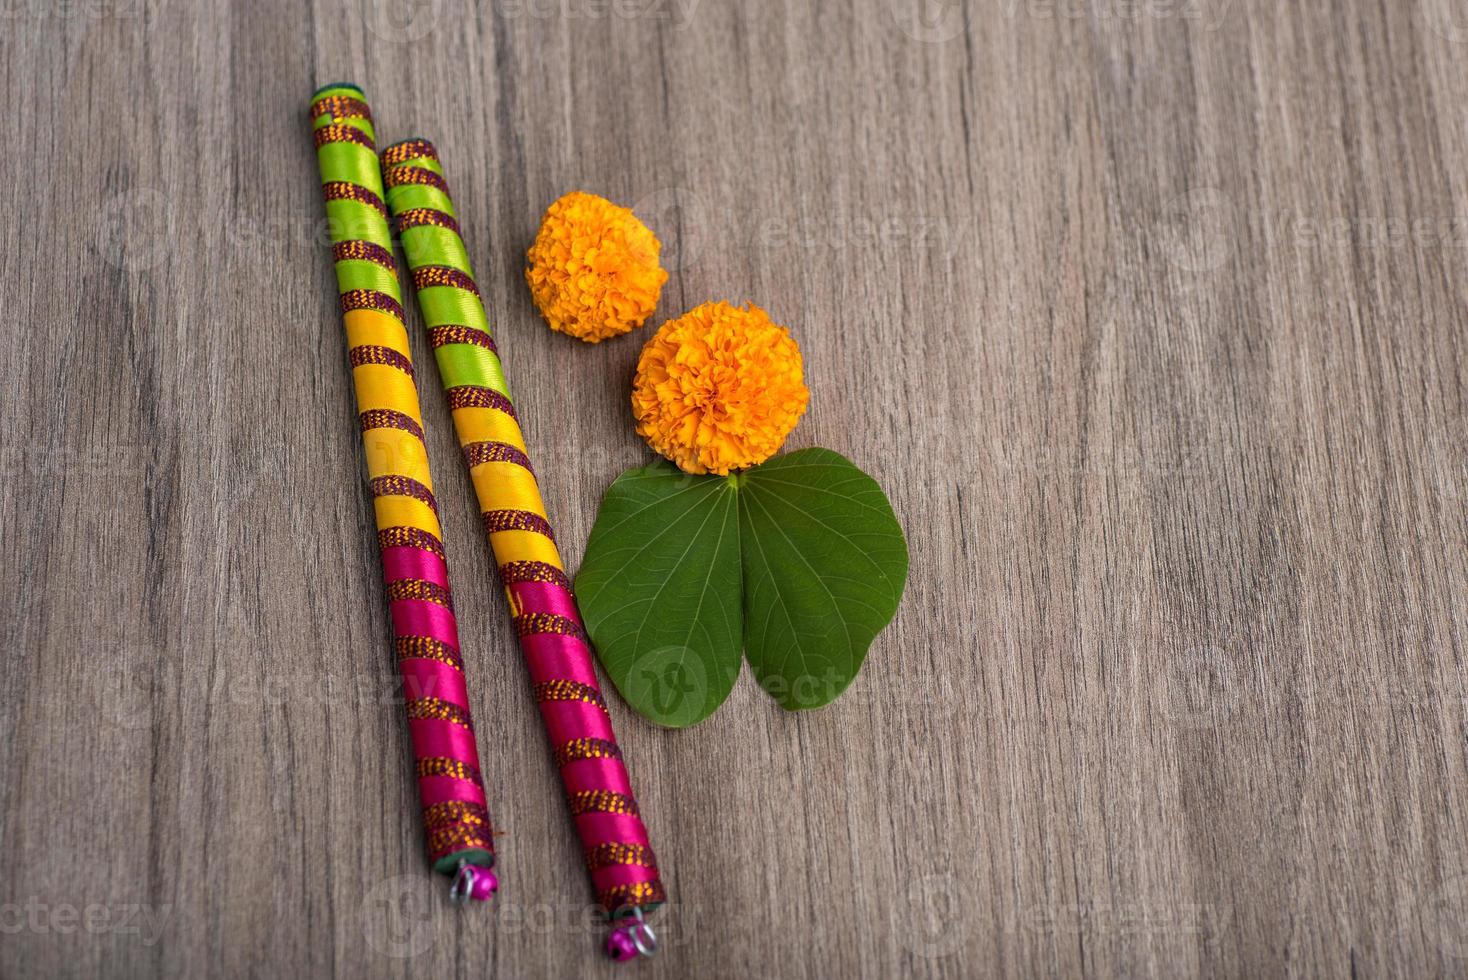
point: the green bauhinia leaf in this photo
(659, 590)
(825, 563)
(799, 560)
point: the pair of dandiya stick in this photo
(599, 793)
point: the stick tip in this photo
(337, 85)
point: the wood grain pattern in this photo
(1149, 315)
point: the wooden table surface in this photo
(1148, 314)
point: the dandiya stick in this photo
(599, 793)
(450, 788)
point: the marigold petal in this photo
(719, 388)
(593, 269)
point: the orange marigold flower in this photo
(593, 269)
(719, 388)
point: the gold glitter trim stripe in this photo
(453, 333)
(427, 648)
(378, 354)
(387, 418)
(340, 107)
(637, 893)
(459, 837)
(401, 176)
(340, 133)
(428, 276)
(586, 748)
(341, 190)
(601, 801)
(454, 811)
(437, 709)
(529, 624)
(407, 150)
(420, 589)
(421, 217)
(533, 571)
(410, 537)
(560, 690)
(393, 485)
(358, 250)
(444, 766)
(610, 855)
